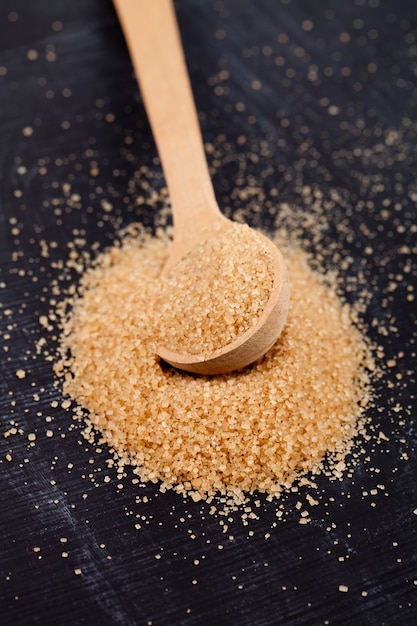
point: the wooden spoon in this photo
(153, 39)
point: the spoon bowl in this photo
(251, 344)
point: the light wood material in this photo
(155, 48)
(154, 43)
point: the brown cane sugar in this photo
(257, 429)
(217, 291)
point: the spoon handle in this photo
(154, 43)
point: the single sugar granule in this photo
(256, 429)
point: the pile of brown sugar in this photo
(217, 291)
(257, 429)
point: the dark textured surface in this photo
(336, 111)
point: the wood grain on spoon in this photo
(154, 43)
